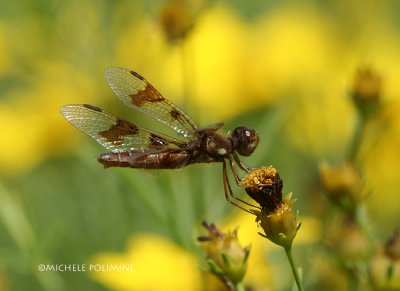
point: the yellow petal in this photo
(158, 265)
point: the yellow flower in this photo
(157, 263)
(30, 118)
(220, 45)
(296, 45)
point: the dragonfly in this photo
(132, 146)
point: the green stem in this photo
(240, 287)
(357, 137)
(288, 251)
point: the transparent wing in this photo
(112, 132)
(133, 90)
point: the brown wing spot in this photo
(137, 75)
(156, 141)
(175, 114)
(148, 94)
(92, 107)
(117, 131)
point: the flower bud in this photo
(367, 85)
(347, 239)
(384, 273)
(280, 225)
(177, 18)
(392, 247)
(226, 258)
(342, 184)
(367, 89)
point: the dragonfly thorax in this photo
(218, 146)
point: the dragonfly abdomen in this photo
(167, 159)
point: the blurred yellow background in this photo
(282, 67)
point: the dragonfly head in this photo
(245, 140)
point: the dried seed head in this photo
(259, 177)
(265, 186)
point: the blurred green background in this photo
(284, 68)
